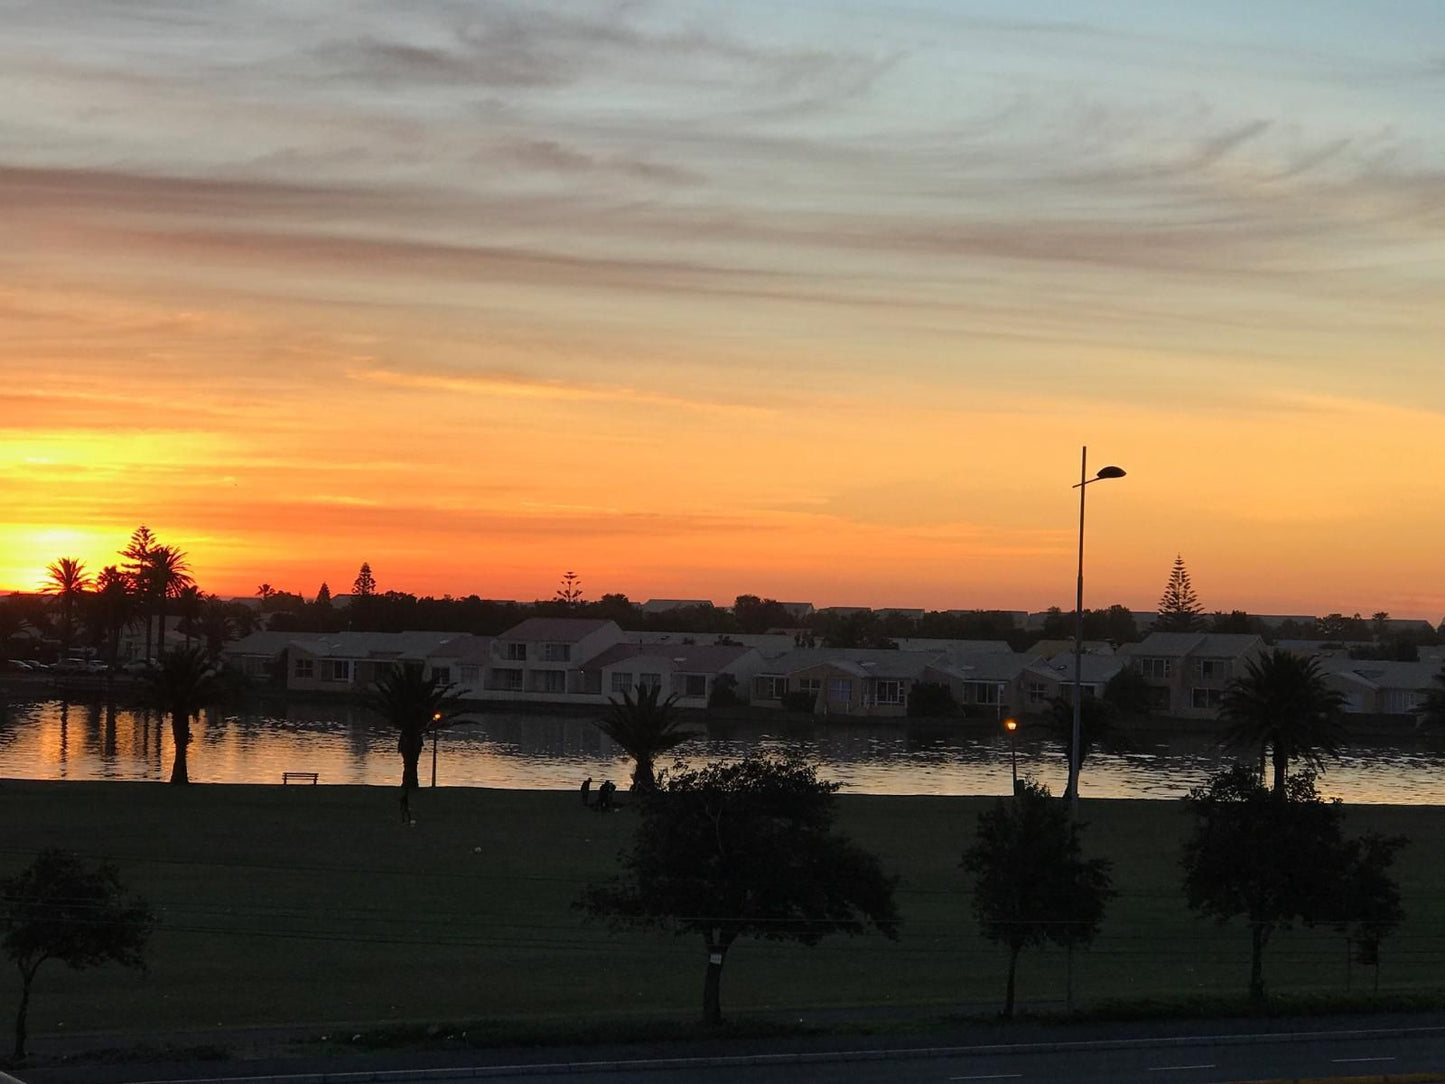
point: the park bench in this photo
(298, 777)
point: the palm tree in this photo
(645, 726)
(67, 580)
(112, 607)
(179, 683)
(167, 575)
(1283, 703)
(416, 703)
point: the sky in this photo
(816, 301)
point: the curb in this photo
(480, 1072)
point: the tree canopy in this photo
(179, 683)
(58, 908)
(1282, 703)
(1278, 857)
(645, 725)
(1033, 884)
(745, 849)
(415, 703)
(1179, 609)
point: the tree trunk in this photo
(181, 737)
(161, 625)
(1013, 967)
(410, 747)
(712, 982)
(1281, 768)
(27, 976)
(1259, 935)
(643, 776)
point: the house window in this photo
(840, 690)
(621, 682)
(556, 652)
(554, 681)
(810, 685)
(1401, 701)
(508, 680)
(469, 675)
(338, 670)
(305, 668)
(1211, 669)
(1158, 669)
(443, 674)
(770, 686)
(1206, 698)
(985, 693)
(516, 652)
(888, 691)
(645, 680)
(694, 685)
(1038, 692)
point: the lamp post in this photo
(1012, 726)
(1074, 745)
(435, 719)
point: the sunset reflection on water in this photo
(345, 744)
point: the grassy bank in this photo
(316, 904)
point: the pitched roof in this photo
(1214, 644)
(557, 630)
(686, 658)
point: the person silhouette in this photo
(587, 791)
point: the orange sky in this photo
(823, 312)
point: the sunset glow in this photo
(813, 302)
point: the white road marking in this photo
(1342, 1061)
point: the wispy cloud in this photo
(505, 385)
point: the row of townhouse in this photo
(582, 661)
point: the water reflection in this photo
(56, 739)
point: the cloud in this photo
(508, 385)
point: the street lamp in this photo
(435, 719)
(1012, 726)
(1074, 748)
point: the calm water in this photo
(53, 739)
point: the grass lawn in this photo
(299, 905)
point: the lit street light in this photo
(1012, 726)
(1074, 746)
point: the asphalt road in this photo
(1359, 1052)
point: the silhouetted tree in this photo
(1179, 609)
(136, 565)
(179, 683)
(364, 586)
(645, 726)
(1278, 857)
(323, 595)
(1432, 711)
(1128, 694)
(1033, 884)
(569, 594)
(745, 849)
(58, 908)
(1282, 703)
(111, 606)
(265, 591)
(67, 580)
(1096, 727)
(166, 576)
(931, 700)
(415, 703)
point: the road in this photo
(1368, 1053)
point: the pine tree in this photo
(323, 595)
(1179, 609)
(365, 584)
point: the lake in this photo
(344, 743)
